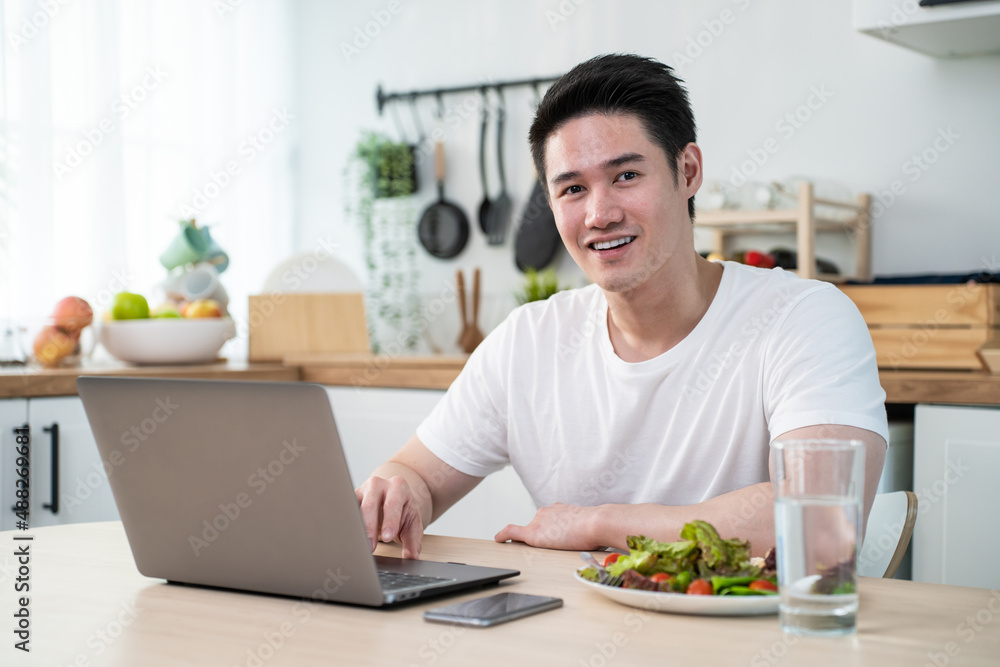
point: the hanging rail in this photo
(383, 98)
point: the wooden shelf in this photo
(804, 222)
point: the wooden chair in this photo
(890, 526)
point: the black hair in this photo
(618, 84)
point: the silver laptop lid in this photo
(233, 484)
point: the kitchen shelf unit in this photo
(805, 222)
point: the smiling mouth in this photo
(608, 245)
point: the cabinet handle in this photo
(53, 432)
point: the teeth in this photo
(607, 245)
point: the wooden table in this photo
(89, 606)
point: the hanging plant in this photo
(381, 172)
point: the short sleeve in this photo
(819, 368)
(468, 428)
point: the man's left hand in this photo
(558, 526)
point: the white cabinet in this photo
(68, 483)
(956, 463)
(375, 422)
(942, 30)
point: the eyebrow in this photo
(625, 158)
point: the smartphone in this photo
(492, 610)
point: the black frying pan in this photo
(537, 238)
(443, 228)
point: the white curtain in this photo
(120, 117)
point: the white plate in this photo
(680, 603)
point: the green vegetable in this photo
(681, 582)
(590, 574)
(640, 561)
(743, 590)
(719, 583)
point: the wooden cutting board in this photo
(282, 324)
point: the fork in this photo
(603, 576)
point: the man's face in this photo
(610, 185)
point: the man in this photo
(649, 398)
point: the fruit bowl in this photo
(166, 340)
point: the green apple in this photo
(129, 306)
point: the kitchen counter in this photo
(438, 372)
(27, 382)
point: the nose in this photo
(603, 208)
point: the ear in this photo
(689, 170)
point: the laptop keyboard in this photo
(395, 581)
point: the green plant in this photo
(538, 286)
(380, 175)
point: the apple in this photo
(202, 308)
(165, 310)
(129, 306)
(52, 346)
(72, 314)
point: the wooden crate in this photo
(284, 324)
(930, 326)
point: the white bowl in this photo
(168, 340)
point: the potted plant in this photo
(381, 174)
(538, 286)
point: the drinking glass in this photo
(818, 501)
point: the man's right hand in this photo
(391, 513)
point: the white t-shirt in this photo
(546, 393)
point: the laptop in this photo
(244, 485)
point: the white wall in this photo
(887, 104)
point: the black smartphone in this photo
(492, 610)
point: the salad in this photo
(701, 563)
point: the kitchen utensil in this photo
(537, 238)
(486, 205)
(500, 210)
(604, 577)
(470, 336)
(443, 228)
(474, 336)
(460, 288)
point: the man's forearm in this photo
(747, 514)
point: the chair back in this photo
(890, 526)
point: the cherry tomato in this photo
(660, 577)
(610, 558)
(763, 585)
(700, 587)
